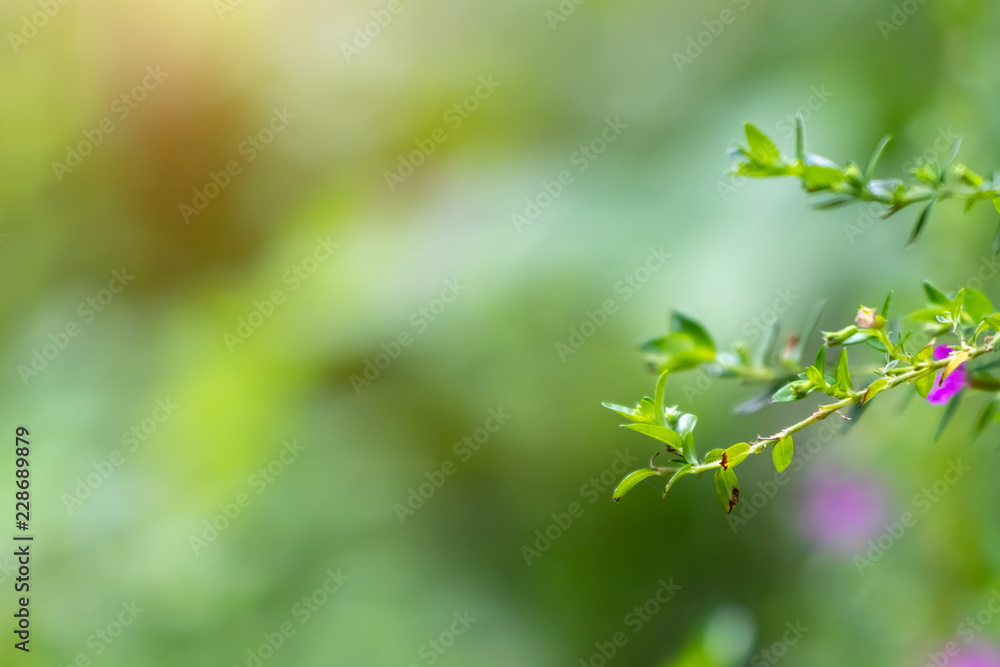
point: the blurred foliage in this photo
(736, 259)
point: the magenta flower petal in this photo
(945, 391)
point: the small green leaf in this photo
(921, 221)
(735, 455)
(661, 433)
(782, 453)
(885, 305)
(936, 296)
(976, 304)
(635, 414)
(688, 451)
(925, 383)
(661, 385)
(714, 455)
(762, 149)
(793, 391)
(820, 363)
(681, 323)
(631, 480)
(727, 489)
(870, 168)
(686, 423)
(873, 390)
(821, 178)
(844, 374)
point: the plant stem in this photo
(825, 411)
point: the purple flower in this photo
(944, 391)
(977, 655)
(840, 513)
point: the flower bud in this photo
(867, 319)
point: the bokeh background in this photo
(321, 547)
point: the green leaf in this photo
(661, 385)
(996, 203)
(976, 304)
(925, 383)
(821, 178)
(996, 239)
(782, 453)
(762, 149)
(714, 455)
(936, 296)
(635, 414)
(688, 451)
(727, 489)
(844, 374)
(921, 221)
(686, 423)
(874, 389)
(631, 480)
(873, 160)
(820, 363)
(735, 455)
(681, 323)
(885, 304)
(793, 391)
(661, 433)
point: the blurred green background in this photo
(345, 217)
